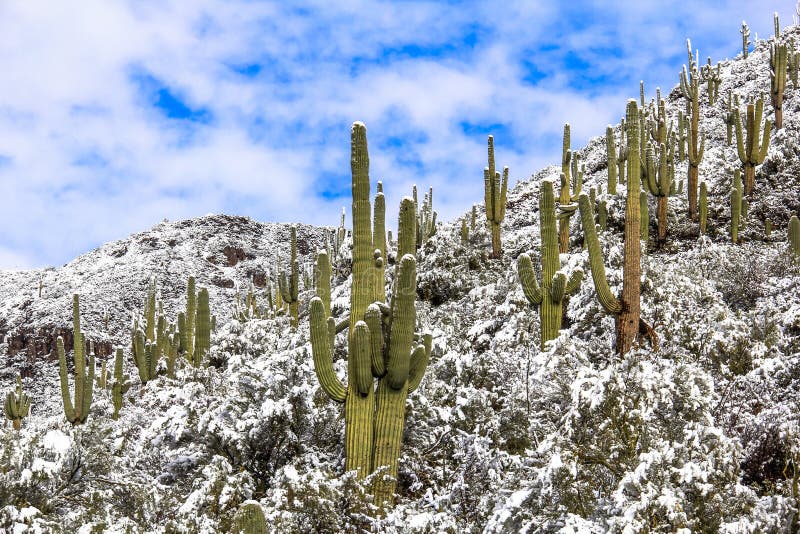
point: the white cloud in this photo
(86, 158)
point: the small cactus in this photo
(794, 235)
(290, 286)
(120, 385)
(464, 232)
(703, 208)
(17, 405)
(202, 340)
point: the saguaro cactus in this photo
(202, 340)
(748, 148)
(778, 61)
(554, 287)
(738, 206)
(567, 198)
(17, 405)
(626, 308)
(381, 339)
(186, 327)
(794, 235)
(660, 183)
(730, 116)
(713, 79)
(745, 31)
(495, 191)
(290, 286)
(426, 220)
(120, 384)
(78, 412)
(696, 140)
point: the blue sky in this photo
(115, 115)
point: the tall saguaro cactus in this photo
(381, 339)
(76, 412)
(794, 235)
(625, 308)
(495, 192)
(567, 197)
(290, 286)
(748, 148)
(778, 61)
(17, 405)
(696, 141)
(549, 296)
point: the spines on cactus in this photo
(249, 519)
(550, 294)
(17, 405)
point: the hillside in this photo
(501, 436)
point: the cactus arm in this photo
(761, 154)
(362, 358)
(530, 286)
(607, 299)
(574, 282)
(557, 286)
(419, 363)
(374, 318)
(69, 409)
(322, 353)
(487, 193)
(401, 333)
(737, 123)
(503, 196)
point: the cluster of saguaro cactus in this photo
(426, 217)
(626, 308)
(290, 285)
(247, 308)
(381, 339)
(569, 191)
(17, 405)
(495, 192)
(751, 153)
(660, 182)
(249, 519)
(555, 286)
(794, 235)
(690, 89)
(76, 412)
(778, 61)
(159, 339)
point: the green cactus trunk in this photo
(794, 235)
(324, 280)
(750, 151)
(611, 153)
(495, 192)
(703, 208)
(202, 340)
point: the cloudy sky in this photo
(115, 115)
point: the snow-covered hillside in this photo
(702, 435)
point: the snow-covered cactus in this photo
(778, 62)
(794, 235)
(290, 285)
(626, 308)
(549, 296)
(202, 340)
(696, 140)
(611, 153)
(120, 385)
(793, 65)
(379, 239)
(150, 310)
(745, 31)
(494, 195)
(464, 232)
(660, 182)
(78, 412)
(713, 80)
(250, 519)
(703, 208)
(426, 221)
(567, 197)
(323, 267)
(751, 153)
(17, 405)
(474, 220)
(145, 356)
(381, 339)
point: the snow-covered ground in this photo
(701, 436)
